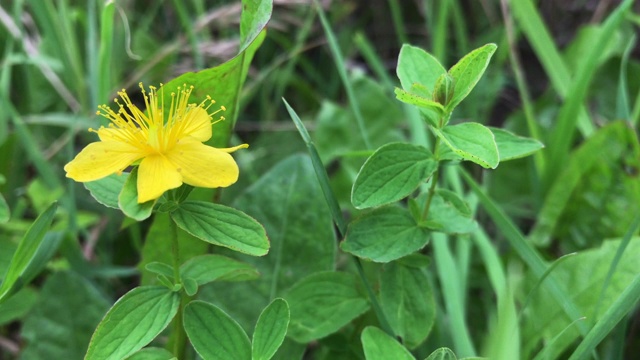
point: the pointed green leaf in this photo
(468, 71)
(392, 173)
(18, 305)
(152, 353)
(384, 234)
(107, 190)
(407, 299)
(160, 268)
(254, 18)
(270, 330)
(128, 199)
(377, 345)
(418, 66)
(25, 253)
(133, 322)
(223, 226)
(214, 334)
(442, 354)
(432, 110)
(323, 303)
(471, 141)
(512, 146)
(207, 268)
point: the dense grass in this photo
(564, 73)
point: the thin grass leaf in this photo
(524, 249)
(562, 134)
(449, 279)
(545, 353)
(338, 58)
(622, 100)
(620, 308)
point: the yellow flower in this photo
(169, 149)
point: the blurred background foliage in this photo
(558, 62)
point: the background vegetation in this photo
(566, 73)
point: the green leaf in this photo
(60, 324)
(418, 66)
(128, 199)
(448, 213)
(107, 190)
(214, 334)
(468, 71)
(5, 214)
(407, 299)
(384, 234)
(254, 18)
(208, 268)
(545, 318)
(25, 253)
(157, 246)
(471, 141)
(442, 354)
(152, 353)
(18, 305)
(160, 268)
(377, 345)
(392, 173)
(419, 101)
(133, 322)
(209, 82)
(512, 146)
(270, 330)
(322, 303)
(223, 226)
(288, 201)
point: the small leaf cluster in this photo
(401, 170)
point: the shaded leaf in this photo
(378, 345)
(107, 190)
(270, 330)
(207, 268)
(128, 199)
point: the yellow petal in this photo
(204, 166)
(197, 124)
(101, 159)
(156, 175)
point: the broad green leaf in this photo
(512, 146)
(582, 276)
(157, 246)
(254, 18)
(270, 330)
(323, 303)
(60, 324)
(26, 251)
(418, 66)
(392, 173)
(442, 354)
(384, 234)
(128, 199)
(223, 83)
(223, 226)
(5, 214)
(107, 190)
(468, 71)
(448, 213)
(288, 201)
(214, 334)
(152, 353)
(159, 268)
(471, 141)
(408, 302)
(18, 305)
(133, 322)
(207, 268)
(378, 345)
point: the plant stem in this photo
(434, 181)
(179, 335)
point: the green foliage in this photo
(222, 226)
(133, 322)
(417, 227)
(214, 334)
